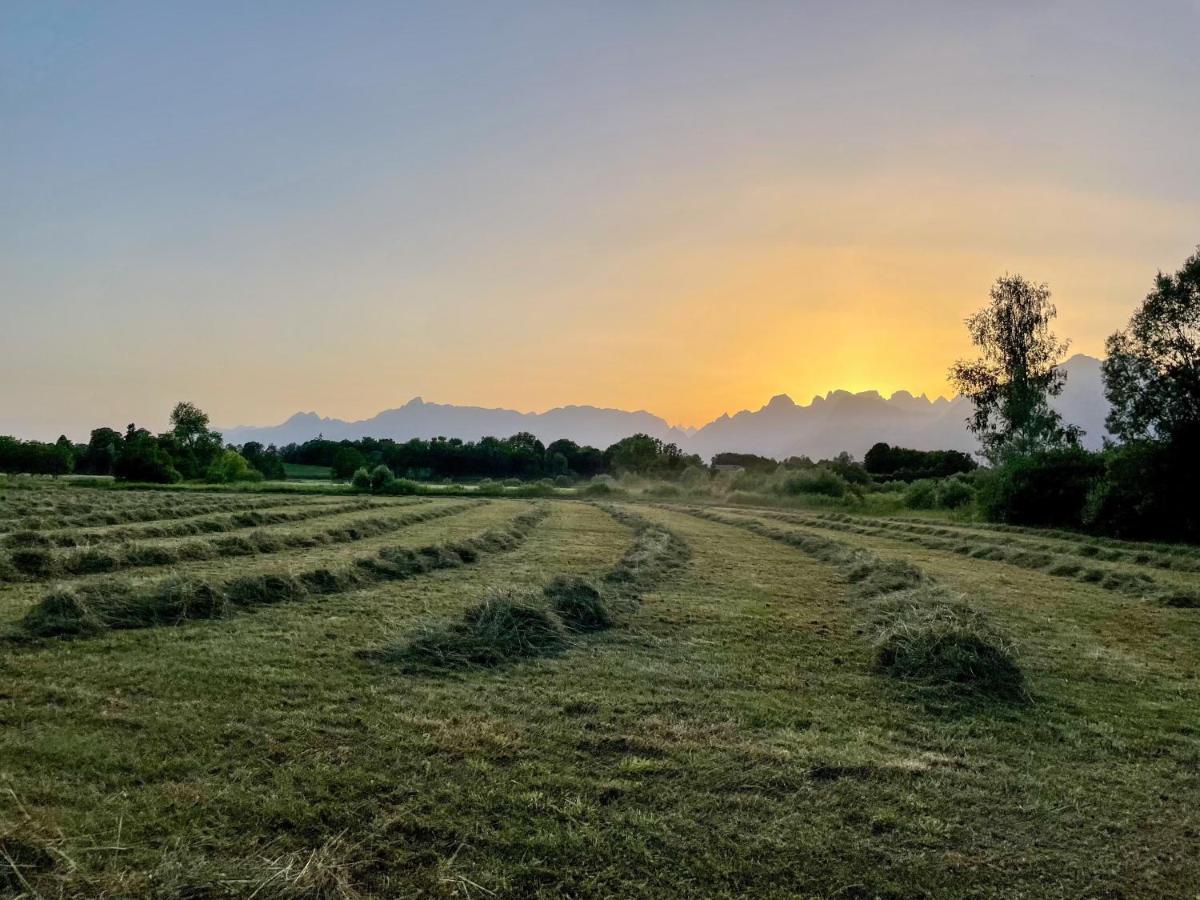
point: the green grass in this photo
(298, 472)
(730, 735)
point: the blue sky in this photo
(684, 207)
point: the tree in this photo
(346, 460)
(231, 466)
(101, 453)
(1012, 382)
(1152, 373)
(189, 423)
(142, 458)
(196, 447)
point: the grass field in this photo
(298, 472)
(269, 696)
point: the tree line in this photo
(1144, 483)
(190, 450)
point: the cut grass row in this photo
(1177, 559)
(42, 564)
(511, 624)
(140, 510)
(924, 632)
(1078, 537)
(1126, 582)
(92, 608)
(256, 517)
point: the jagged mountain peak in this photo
(839, 420)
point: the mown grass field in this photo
(740, 730)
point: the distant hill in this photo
(837, 421)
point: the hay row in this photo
(511, 623)
(1132, 584)
(1178, 559)
(1076, 537)
(37, 563)
(82, 610)
(923, 631)
(123, 514)
(211, 524)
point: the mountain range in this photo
(837, 421)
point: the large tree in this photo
(190, 442)
(1017, 373)
(1152, 373)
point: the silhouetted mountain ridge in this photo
(839, 420)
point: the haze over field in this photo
(680, 208)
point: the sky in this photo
(680, 207)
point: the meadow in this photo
(297, 694)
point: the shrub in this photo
(1048, 488)
(818, 481)
(563, 481)
(361, 480)
(953, 493)
(578, 603)
(397, 486)
(229, 467)
(921, 495)
(381, 477)
(507, 625)
(1149, 491)
(663, 490)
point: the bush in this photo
(578, 603)
(361, 479)
(381, 477)
(1149, 491)
(563, 481)
(399, 486)
(921, 495)
(1049, 488)
(229, 467)
(953, 493)
(819, 481)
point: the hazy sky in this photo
(682, 207)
